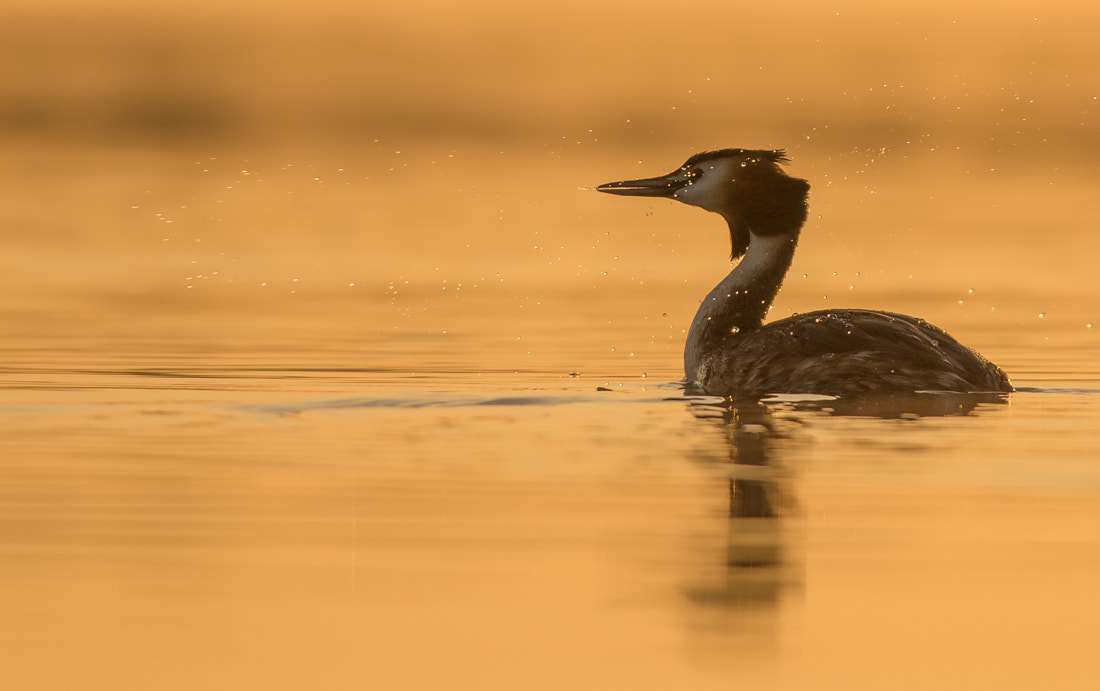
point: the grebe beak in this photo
(649, 187)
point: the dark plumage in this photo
(844, 352)
(731, 352)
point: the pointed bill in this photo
(665, 186)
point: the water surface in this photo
(306, 386)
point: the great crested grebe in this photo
(730, 351)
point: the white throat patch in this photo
(762, 254)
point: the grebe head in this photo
(746, 187)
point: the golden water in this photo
(319, 368)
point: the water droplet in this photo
(737, 329)
(1042, 314)
(1088, 326)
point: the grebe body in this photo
(731, 352)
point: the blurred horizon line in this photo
(947, 79)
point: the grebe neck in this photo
(739, 303)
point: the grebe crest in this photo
(731, 352)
